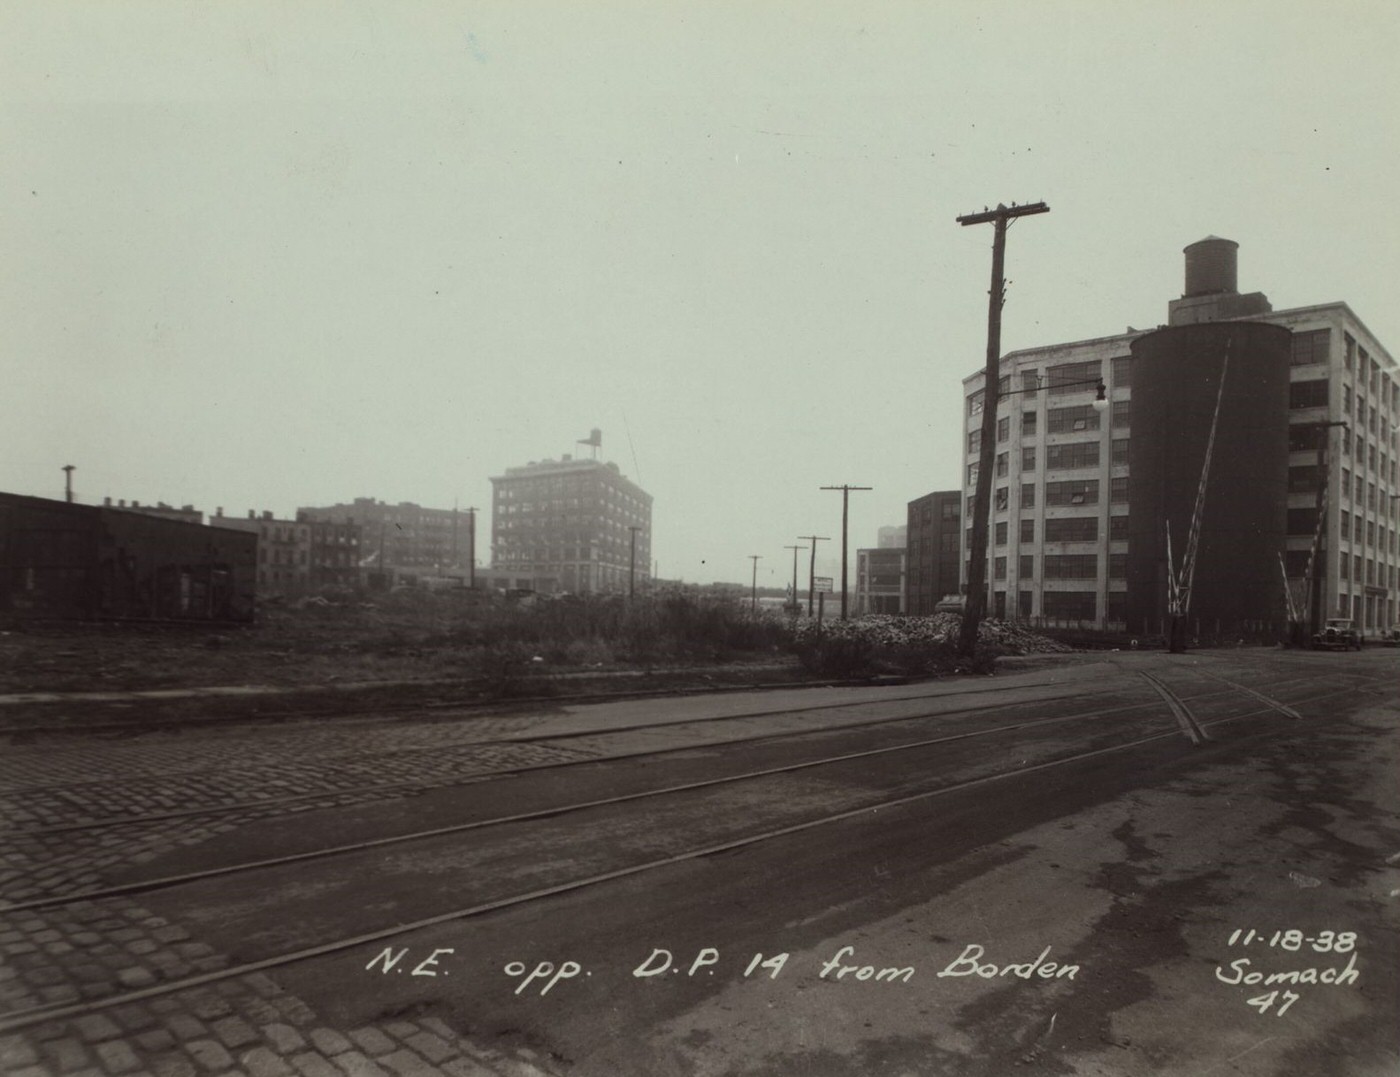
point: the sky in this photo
(260, 256)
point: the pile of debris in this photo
(938, 630)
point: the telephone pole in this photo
(794, 550)
(976, 605)
(755, 558)
(471, 559)
(812, 572)
(845, 515)
(632, 564)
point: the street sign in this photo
(822, 584)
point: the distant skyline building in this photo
(893, 536)
(880, 579)
(1305, 453)
(569, 525)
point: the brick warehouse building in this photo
(1082, 496)
(397, 541)
(568, 525)
(60, 560)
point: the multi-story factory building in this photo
(571, 525)
(934, 537)
(1101, 446)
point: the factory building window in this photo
(1027, 424)
(1027, 567)
(1121, 412)
(1073, 492)
(1120, 451)
(1122, 371)
(1072, 529)
(1311, 346)
(1003, 428)
(1308, 394)
(1073, 377)
(1117, 566)
(1304, 439)
(974, 439)
(1078, 454)
(1301, 479)
(1000, 538)
(1073, 420)
(1070, 566)
(1118, 490)
(1001, 465)
(1117, 527)
(1028, 530)
(999, 569)
(1028, 495)
(1028, 458)
(1023, 603)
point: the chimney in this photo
(219, 512)
(252, 515)
(107, 501)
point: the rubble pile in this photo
(938, 630)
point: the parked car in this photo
(1339, 633)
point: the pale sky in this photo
(267, 255)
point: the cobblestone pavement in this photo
(85, 952)
(35, 864)
(246, 1025)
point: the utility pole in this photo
(755, 558)
(845, 515)
(976, 606)
(632, 564)
(471, 551)
(794, 550)
(812, 572)
(68, 470)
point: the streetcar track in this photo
(530, 767)
(525, 737)
(418, 785)
(1185, 719)
(543, 813)
(27, 1018)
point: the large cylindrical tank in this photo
(1212, 267)
(1176, 376)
